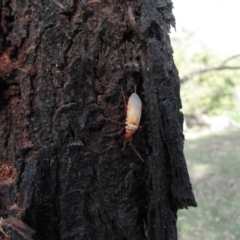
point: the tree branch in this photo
(221, 67)
(230, 58)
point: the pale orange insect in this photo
(133, 116)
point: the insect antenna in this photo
(123, 97)
(125, 103)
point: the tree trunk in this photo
(63, 174)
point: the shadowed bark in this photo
(62, 66)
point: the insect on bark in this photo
(133, 112)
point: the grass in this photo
(214, 167)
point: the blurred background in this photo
(206, 46)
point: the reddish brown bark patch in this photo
(7, 172)
(3, 237)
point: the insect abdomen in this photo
(131, 128)
(134, 111)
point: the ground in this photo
(213, 163)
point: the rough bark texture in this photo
(63, 174)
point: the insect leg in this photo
(142, 125)
(124, 144)
(120, 131)
(135, 150)
(114, 121)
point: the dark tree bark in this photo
(63, 174)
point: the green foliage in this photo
(212, 92)
(236, 116)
